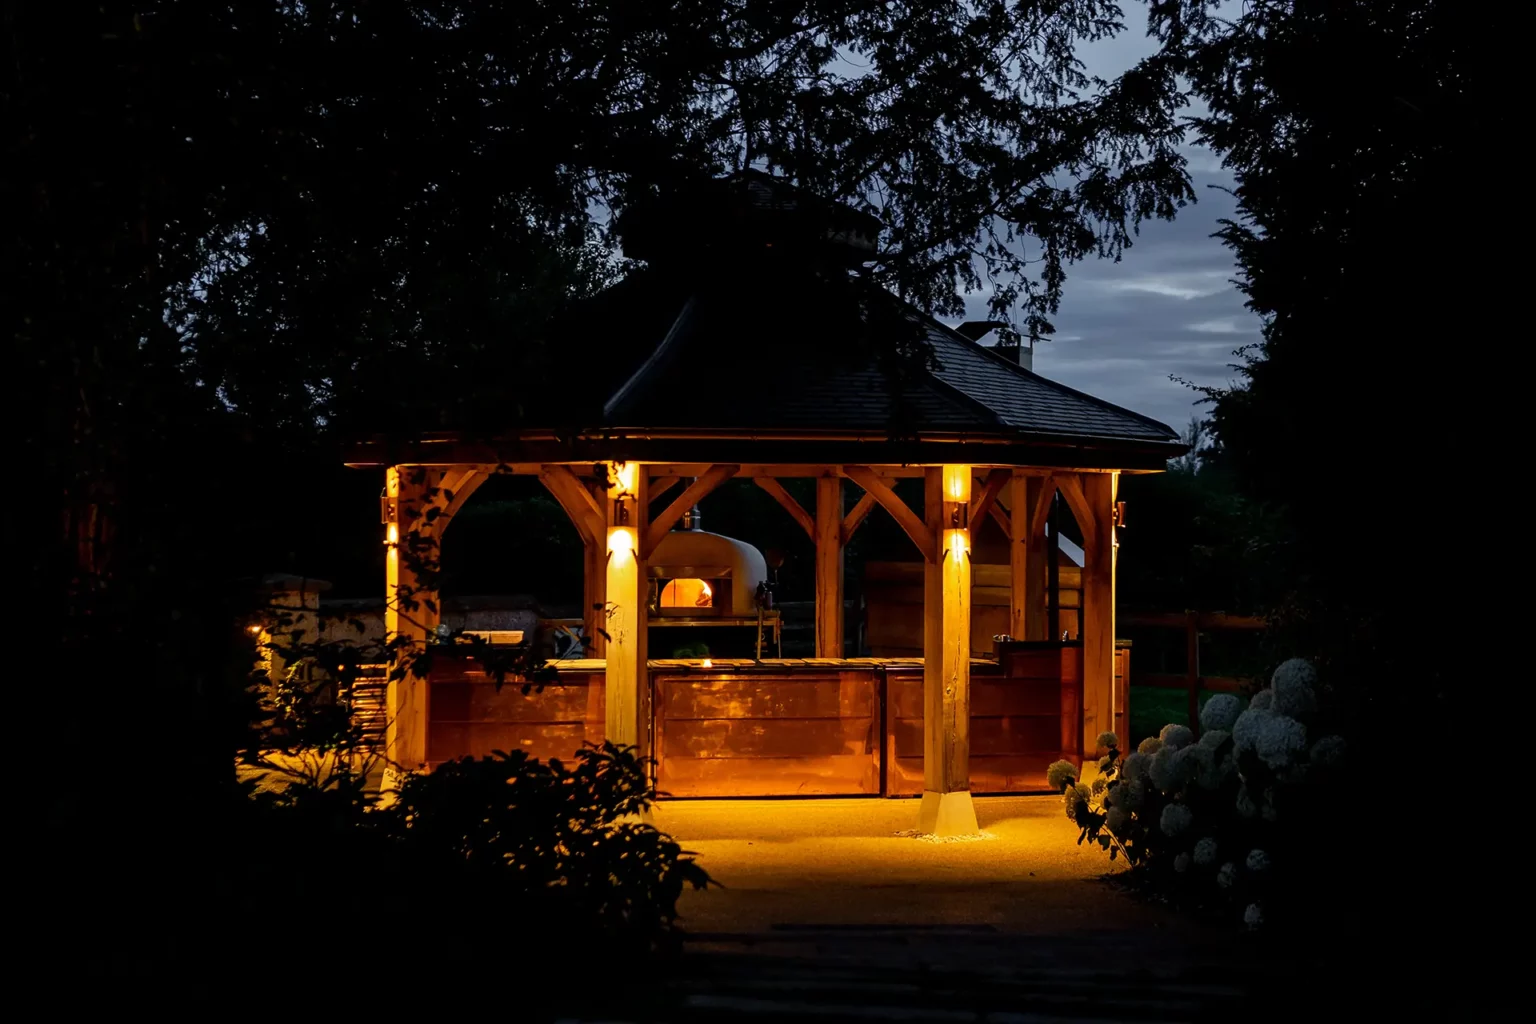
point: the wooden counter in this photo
(779, 727)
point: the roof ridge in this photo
(653, 363)
(1032, 375)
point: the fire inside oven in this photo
(690, 591)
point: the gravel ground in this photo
(788, 863)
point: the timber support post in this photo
(947, 809)
(829, 566)
(627, 690)
(1094, 506)
(411, 612)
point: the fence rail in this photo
(1191, 680)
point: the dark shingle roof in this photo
(1027, 401)
(700, 374)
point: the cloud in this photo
(1167, 309)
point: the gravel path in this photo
(828, 913)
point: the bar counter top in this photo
(775, 666)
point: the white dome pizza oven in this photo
(700, 575)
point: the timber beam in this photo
(788, 503)
(914, 527)
(694, 493)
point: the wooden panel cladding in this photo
(468, 716)
(893, 596)
(1025, 714)
(799, 734)
(808, 730)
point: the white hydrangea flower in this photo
(1280, 740)
(1118, 819)
(1197, 764)
(1108, 741)
(1176, 819)
(1294, 699)
(1295, 670)
(1246, 805)
(1163, 770)
(1149, 746)
(1214, 738)
(1253, 917)
(1260, 701)
(1129, 794)
(1328, 752)
(1245, 731)
(1135, 766)
(1205, 852)
(1257, 862)
(1227, 876)
(1060, 773)
(1176, 736)
(1220, 712)
(1182, 862)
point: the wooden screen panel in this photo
(795, 734)
(1024, 715)
(469, 716)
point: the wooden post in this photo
(1021, 504)
(410, 612)
(947, 809)
(829, 567)
(627, 593)
(1033, 548)
(1098, 613)
(1052, 556)
(594, 596)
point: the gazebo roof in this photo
(741, 342)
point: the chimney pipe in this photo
(690, 520)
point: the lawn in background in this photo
(1154, 707)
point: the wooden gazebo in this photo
(680, 393)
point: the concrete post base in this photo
(947, 814)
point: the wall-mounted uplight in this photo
(392, 535)
(956, 543)
(624, 477)
(621, 544)
(957, 483)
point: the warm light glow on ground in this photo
(842, 862)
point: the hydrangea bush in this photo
(1237, 820)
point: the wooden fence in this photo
(1191, 680)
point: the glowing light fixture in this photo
(957, 483)
(621, 543)
(624, 477)
(391, 535)
(956, 543)
(708, 663)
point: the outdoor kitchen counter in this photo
(776, 727)
(769, 665)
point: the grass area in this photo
(1152, 708)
